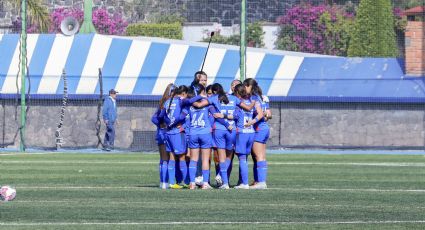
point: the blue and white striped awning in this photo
(145, 66)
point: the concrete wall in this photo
(195, 32)
(297, 125)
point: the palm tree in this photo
(36, 11)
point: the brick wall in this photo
(415, 48)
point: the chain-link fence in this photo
(319, 96)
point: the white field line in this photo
(21, 154)
(155, 203)
(155, 188)
(380, 164)
(217, 223)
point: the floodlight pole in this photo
(23, 58)
(242, 49)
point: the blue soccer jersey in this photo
(199, 121)
(264, 104)
(242, 117)
(225, 109)
(173, 115)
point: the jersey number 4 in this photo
(198, 122)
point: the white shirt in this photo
(113, 100)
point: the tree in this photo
(37, 13)
(373, 34)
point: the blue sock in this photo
(172, 171)
(223, 173)
(179, 176)
(229, 167)
(206, 176)
(192, 170)
(199, 167)
(243, 169)
(254, 169)
(217, 169)
(183, 170)
(164, 172)
(160, 170)
(262, 171)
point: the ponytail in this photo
(166, 95)
(173, 93)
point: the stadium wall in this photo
(294, 125)
(317, 101)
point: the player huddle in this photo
(195, 121)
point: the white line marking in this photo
(217, 223)
(20, 154)
(283, 189)
(178, 203)
(382, 164)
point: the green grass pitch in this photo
(120, 191)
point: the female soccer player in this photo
(175, 136)
(215, 156)
(262, 132)
(233, 84)
(200, 140)
(160, 138)
(200, 78)
(245, 132)
(224, 136)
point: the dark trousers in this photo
(110, 135)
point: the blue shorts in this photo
(160, 136)
(176, 143)
(225, 139)
(244, 142)
(213, 142)
(262, 136)
(203, 141)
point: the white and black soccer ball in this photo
(7, 193)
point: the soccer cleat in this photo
(206, 186)
(259, 185)
(218, 180)
(192, 186)
(164, 186)
(224, 186)
(199, 180)
(175, 186)
(242, 186)
(185, 185)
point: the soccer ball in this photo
(7, 193)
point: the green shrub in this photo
(254, 38)
(373, 34)
(163, 30)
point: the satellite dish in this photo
(70, 26)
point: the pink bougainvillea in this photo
(104, 22)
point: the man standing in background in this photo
(110, 117)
